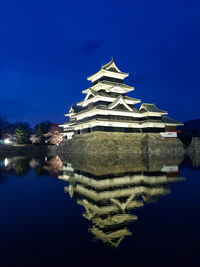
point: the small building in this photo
(107, 108)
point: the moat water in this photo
(99, 211)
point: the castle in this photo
(107, 108)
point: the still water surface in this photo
(99, 211)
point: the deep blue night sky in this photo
(49, 48)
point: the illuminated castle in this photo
(107, 108)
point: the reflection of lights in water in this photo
(170, 169)
(45, 158)
(6, 162)
(7, 141)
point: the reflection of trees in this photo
(39, 171)
(22, 167)
(41, 166)
(53, 166)
(37, 164)
(34, 162)
(7, 167)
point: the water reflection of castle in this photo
(109, 196)
(108, 187)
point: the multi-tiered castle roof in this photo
(106, 107)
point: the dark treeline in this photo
(22, 133)
(190, 129)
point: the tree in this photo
(53, 137)
(41, 129)
(36, 139)
(3, 126)
(23, 132)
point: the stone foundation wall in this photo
(194, 145)
(156, 144)
(104, 143)
(194, 151)
(101, 142)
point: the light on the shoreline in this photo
(6, 162)
(7, 141)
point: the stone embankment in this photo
(139, 143)
(105, 143)
(194, 151)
